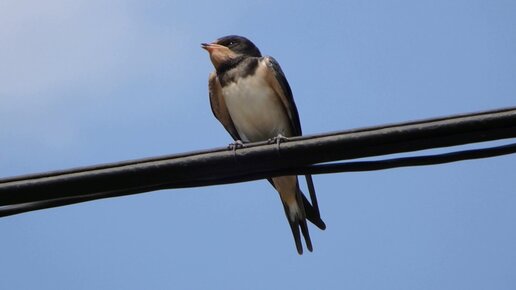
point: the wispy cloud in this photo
(52, 51)
(58, 44)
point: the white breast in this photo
(256, 111)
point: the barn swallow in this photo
(251, 97)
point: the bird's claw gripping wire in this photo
(278, 139)
(236, 145)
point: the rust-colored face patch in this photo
(218, 53)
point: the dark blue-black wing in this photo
(279, 83)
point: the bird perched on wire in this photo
(251, 97)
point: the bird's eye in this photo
(232, 42)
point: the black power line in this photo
(260, 160)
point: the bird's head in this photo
(230, 47)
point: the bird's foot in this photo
(278, 139)
(236, 145)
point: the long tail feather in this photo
(294, 226)
(312, 215)
(298, 211)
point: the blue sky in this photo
(88, 82)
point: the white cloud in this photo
(58, 44)
(51, 50)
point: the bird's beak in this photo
(205, 45)
(210, 47)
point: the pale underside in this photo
(257, 112)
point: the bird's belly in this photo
(256, 111)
